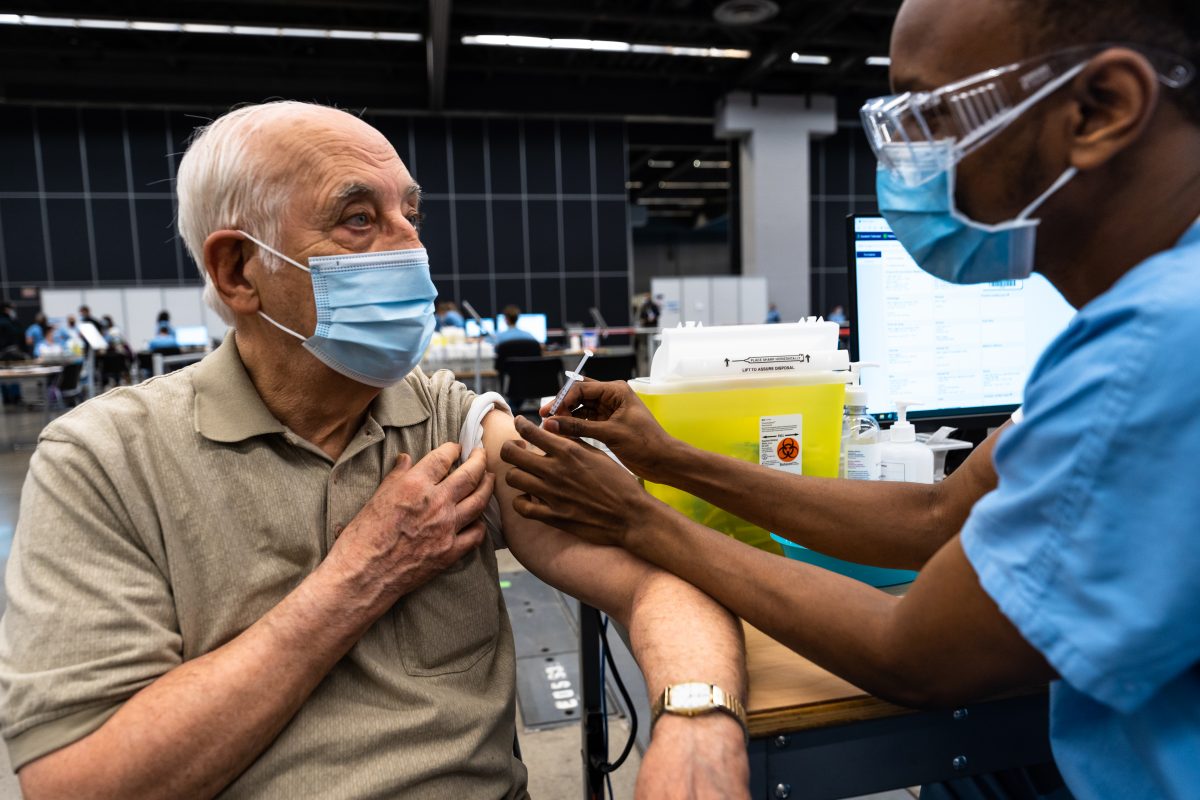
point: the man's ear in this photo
(1115, 97)
(225, 258)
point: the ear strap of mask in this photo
(270, 249)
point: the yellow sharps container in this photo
(767, 394)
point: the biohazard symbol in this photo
(787, 450)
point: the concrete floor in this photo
(552, 756)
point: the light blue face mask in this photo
(947, 243)
(915, 183)
(374, 312)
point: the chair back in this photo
(532, 379)
(516, 348)
(114, 362)
(68, 379)
(611, 368)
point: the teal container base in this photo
(873, 576)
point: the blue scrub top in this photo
(512, 333)
(1090, 543)
(35, 333)
(162, 342)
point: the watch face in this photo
(691, 696)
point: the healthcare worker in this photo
(1058, 133)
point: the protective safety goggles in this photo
(962, 116)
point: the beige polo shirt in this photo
(159, 521)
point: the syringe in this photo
(572, 377)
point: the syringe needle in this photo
(572, 377)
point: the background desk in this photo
(816, 736)
(39, 376)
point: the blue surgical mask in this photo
(946, 242)
(374, 312)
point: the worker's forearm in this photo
(841, 624)
(195, 729)
(883, 523)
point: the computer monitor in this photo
(191, 336)
(473, 331)
(959, 351)
(533, 324)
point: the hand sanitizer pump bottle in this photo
(904, 458)
(860, 457)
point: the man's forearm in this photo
(680, 634)
(195, 729)
(884, 523)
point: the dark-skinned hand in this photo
(573, 486)
(611, 412)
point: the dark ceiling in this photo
(440, 72)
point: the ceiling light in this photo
(745, 12)
(671, 201)
(205, 27)
(633, 184)
(879, 61)
(604, 46)
(255, 30)
(103, 24)
(702, 164)
(669, 212)
(658, 163)
(703, 52)
(804, 58)
(158, 26)
(693, 184)
(45, 22)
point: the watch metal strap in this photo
(721, 701)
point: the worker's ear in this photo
(226, 254)
(1114, 98)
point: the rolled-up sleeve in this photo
(90, 617)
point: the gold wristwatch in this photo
(694, 699)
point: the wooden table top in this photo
(790, 693)
(41, 371)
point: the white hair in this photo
(224, 182)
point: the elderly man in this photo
(262, 576)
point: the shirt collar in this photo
(229, 408)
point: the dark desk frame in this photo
(854, 758)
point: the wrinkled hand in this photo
(701, 758)
(422, 519)
(573, 486)
(613, 413)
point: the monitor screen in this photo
(191, 336)
(956, 350)
(472, 328)
(533, 324)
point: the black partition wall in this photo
(843, 182)
(516, 210)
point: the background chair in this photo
(516, 348)
(69, 386)
(114, 368)
(611, 368)
(530, 379)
